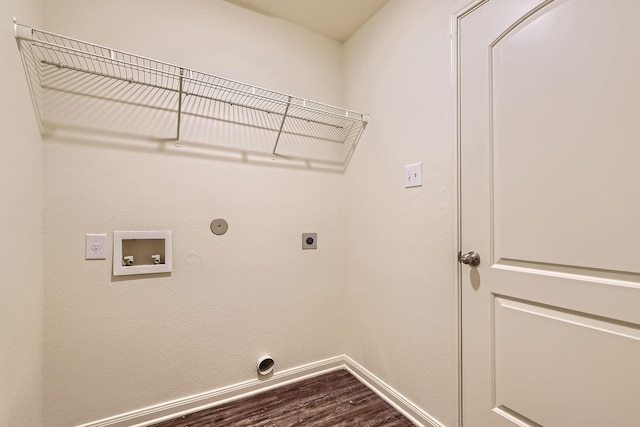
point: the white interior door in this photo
(549, 125)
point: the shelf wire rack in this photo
(71, 67)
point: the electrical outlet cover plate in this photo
(96, 246)
(309, 240)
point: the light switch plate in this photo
(413, 175)
(96, 246)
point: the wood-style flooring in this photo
(334, 399)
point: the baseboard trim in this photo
(168, 410)
(154, 414)
(390, 395)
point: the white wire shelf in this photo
(61, 70)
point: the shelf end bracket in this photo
(21, 31)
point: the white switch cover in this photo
(413, 175)
(96, 246)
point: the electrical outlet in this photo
(309, 240)
(96, 246)
(413, 175)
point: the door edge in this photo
(456, 16)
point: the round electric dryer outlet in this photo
(309, 240)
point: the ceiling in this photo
(336, 19)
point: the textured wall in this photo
(381, 286)
(399, 298)
(114, 345)
(21, 231)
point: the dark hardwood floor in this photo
(334, 399)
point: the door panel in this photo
(545, 357)
(549, 122)
(565, 137)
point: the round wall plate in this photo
(219, 226)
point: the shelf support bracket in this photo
(284, 117)
(179, 107)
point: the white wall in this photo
(399, 298)
(116, 345)
(21, 231)
(381, 286)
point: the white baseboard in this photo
(168, 410)
(390, 395)
(173, 409)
